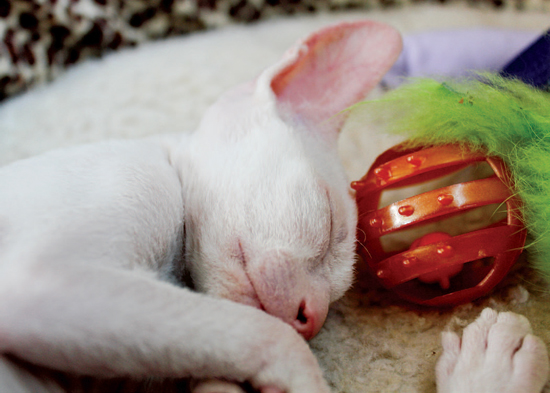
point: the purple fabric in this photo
(455, 53)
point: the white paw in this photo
(497, 354)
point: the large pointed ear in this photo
(330, 70)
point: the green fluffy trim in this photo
(501, 117)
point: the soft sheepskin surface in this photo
(371, 342)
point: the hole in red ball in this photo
(470, 276)
(454, 224)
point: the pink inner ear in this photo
(341, 64)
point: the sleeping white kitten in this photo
(253, 209)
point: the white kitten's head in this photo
(270, 217)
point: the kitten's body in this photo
(254, 207)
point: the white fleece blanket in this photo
(371, 341)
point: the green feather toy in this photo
(495, 115)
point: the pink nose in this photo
(307, 321)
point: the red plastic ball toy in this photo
(437, 269)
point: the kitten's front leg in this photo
(497, 354)
(108, 322)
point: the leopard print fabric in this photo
(40, 38)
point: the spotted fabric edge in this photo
(40, 39)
